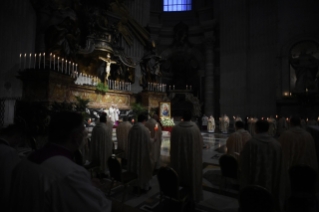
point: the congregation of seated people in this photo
(274, 173)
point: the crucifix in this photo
(108, 62)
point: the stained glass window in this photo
(177, 5)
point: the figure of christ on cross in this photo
(108, 62)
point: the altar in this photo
(49, 86)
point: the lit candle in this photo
(69, 67)
(62, 64)
(35, 59)
(50, 60)
(44, 60)
(276, 116)
(25, 60)
(76, 67)
(66, 66)
(58, 64)
(39, 60)
(20, 63)
(53, 62)
(30, 61)
(72, 68)
(306, 89)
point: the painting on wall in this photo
(165, 110)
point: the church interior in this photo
(241, 78)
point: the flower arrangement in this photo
(167, 122)
(101, 87)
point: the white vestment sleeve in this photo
(78, 194)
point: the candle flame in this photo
(20, 55)
(53, 55)
(40, 54)
(58, 58)
(62, 59)
(25, 54)
(50, 54)
(35, 55)
(44, 54)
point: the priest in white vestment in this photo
(261, 163)
(211, 124)
(224, 124)
(101, 144)
(10, 137)
(112, 113)
(117, 114)
(186, 155)
(139, 157)
(156, 132)
(237, 140)
(49, 180)
(204, 122)
(122, 132)
(298, 146)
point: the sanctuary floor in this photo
(215, 198)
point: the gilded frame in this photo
(165, 106)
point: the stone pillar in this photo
(209, 78)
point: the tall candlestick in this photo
(39, 60)
(62, 64)
(66, 66)
(20, 63)
(72, 68)
(76, 67)
(50, 60)
(30, 61)
(53, 62)
(35, 59)
(69, 67)
(25, 60)
(44, 60)
(58, 64)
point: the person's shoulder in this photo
(62, 166)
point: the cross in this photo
(108, 62)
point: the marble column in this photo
(209, 78)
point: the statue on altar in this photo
(108, 62)
(150, 66)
